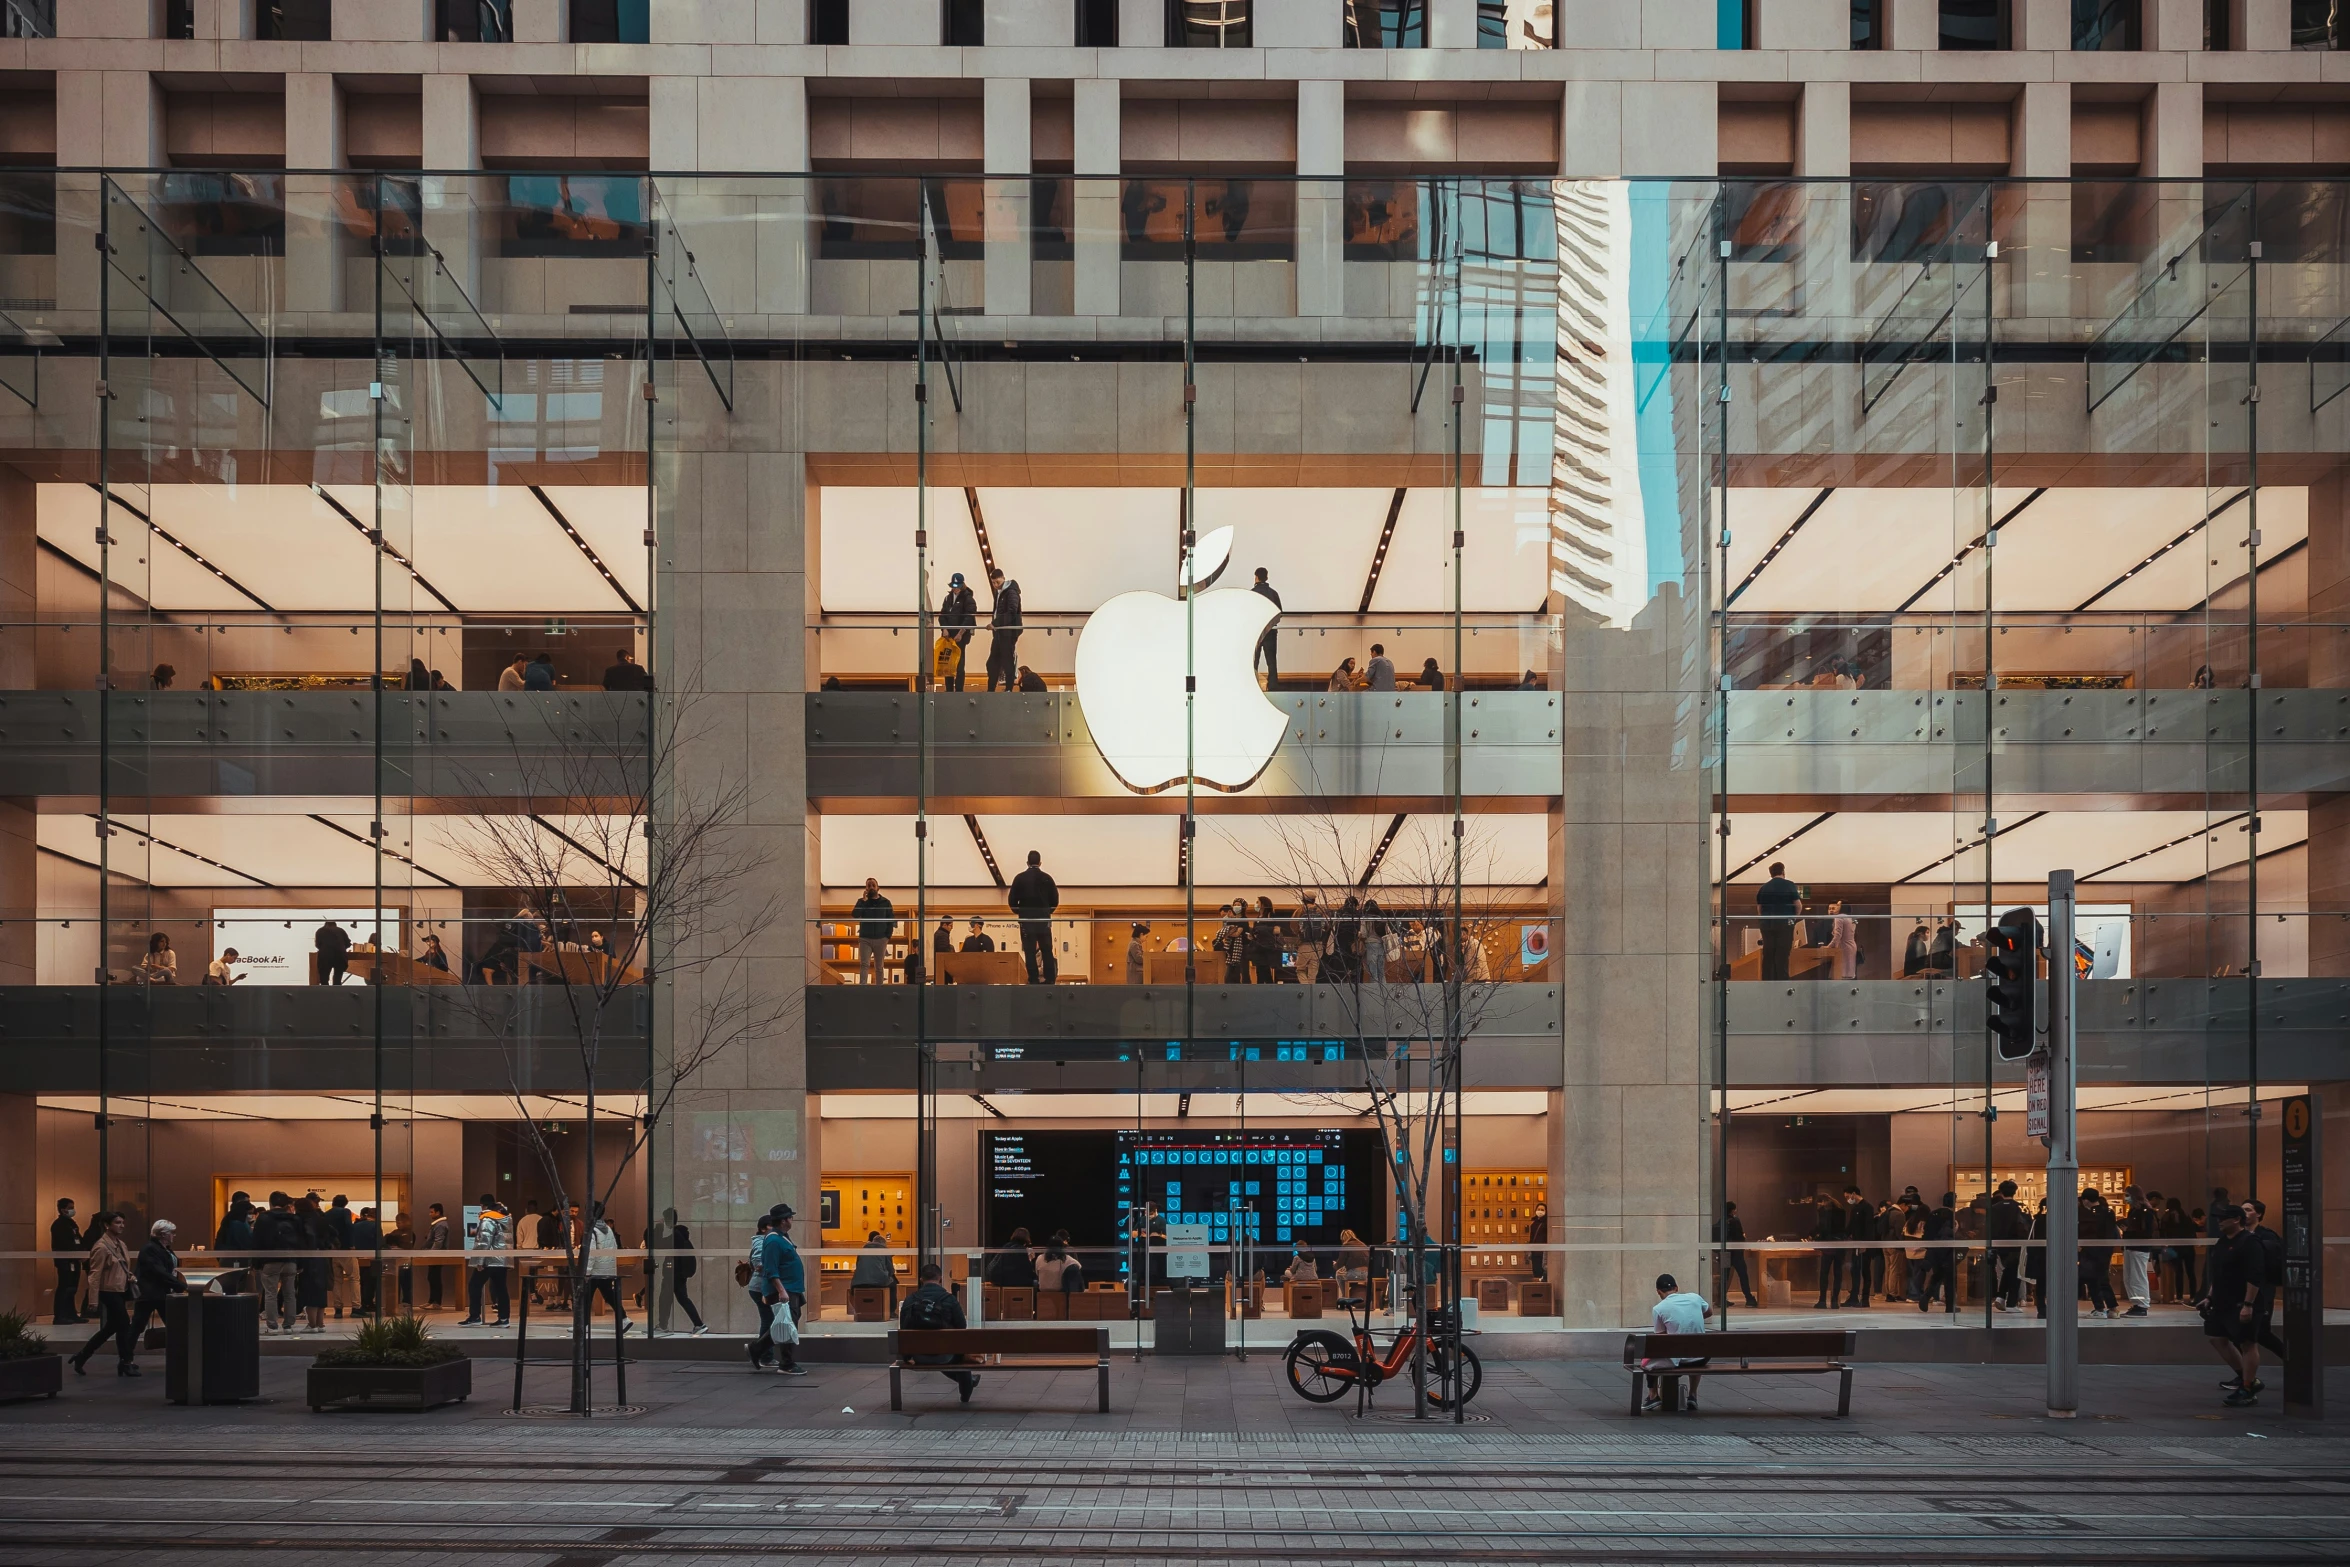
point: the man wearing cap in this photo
(787, 1281)
(958, 617)
(2231, 1292)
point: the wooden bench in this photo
(993, 1350)
(1792, 1354)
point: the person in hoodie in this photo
(1003, 647)
(958, 617)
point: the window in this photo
(179, 18)
(601, 215)
(306, 21)
(2105, 24)
(1097, 24)
(476, 21)
(221, 214)
(1235, 220)
(1868, 24)
(611, 21)
(1974, 24)
(2319, 24)
(1516, 24)
(1383, 220)
(965, 23)
(1208, 24)
(1386, 24)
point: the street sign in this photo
(2036, 1097)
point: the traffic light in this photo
(2008, 968)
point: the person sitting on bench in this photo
(933, 1305)
(1677, 1311)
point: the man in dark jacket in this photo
(877, 922)
(1777, 901)
(1941, 1270)
(276, 1232)
(2272, 1275)
(234, 1236)
(1269, 645)
(343, 1279)
(958, 617)
(2231, 1303)
(2006, 1221)
(1868, 1265)
(66, 1236)
(1828, 1225)
(1033, 897)
(933, 1305)
(1732, 1229)
(1003, 647)
(2138, 1224)
(333, 946)
(367, 1234)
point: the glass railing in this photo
(2131, 929)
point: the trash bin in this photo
(212, 1348)
(1188, 1320)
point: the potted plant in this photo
(395, 1363)
(28, 1368)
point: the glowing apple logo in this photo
(1130, 683)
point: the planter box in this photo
(36, 1376)
(391, 1387)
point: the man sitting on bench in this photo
(1677, 1311)
(933, 1305)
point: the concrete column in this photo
(2260, 24)
(2173, 138)
(749, 236)
(1321, 206)
(1004, 132)
(386, 22)
(542, 22)
(224, 19)
(452, 144)
(2172, 25)
(1298, 24)
(315, 248)
(1912, 24)
(2039, 269)
(1823, 131)
(24, 1285)
(1591, 130)
(1142, 24)
(105, 119)
(1802, 24)
(2042, 24)
(894, 22)
(1452, 24)
(1094, 202)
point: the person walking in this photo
(1732, 1233)
(439, 1236)
(2272, 1275)
(111, 1276)
(752, 1273)
(2096, 1257)
(1033, 897)
(1379, 673)
(958, 618)
(933, 1306)
(603, 1270)
(681, 1269)
(877, 922)
(2004, 1220)
(1777, 901)
(787, 1282)
(1003, 646)
(156, 1277)
(2036, 1259)
(1941, 1260)
(65, 1236)
(1269, 645)
(2139, 1224)
(332, 944)
(2230, 1304)
(1677, 1311)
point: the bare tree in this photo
(1410, 969)
(618, 826)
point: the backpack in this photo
(926, 1308)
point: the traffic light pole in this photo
(2061, 1291)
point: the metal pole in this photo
(2059, 1299)
(1991, 1281)
(2252, 726)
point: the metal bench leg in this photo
(897, 1401)
(1635, 1392)
(1844, 1393)
(1103, 1374)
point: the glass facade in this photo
(588, 581)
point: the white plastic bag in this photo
(781, 1329)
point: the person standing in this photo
(439, 1236)
(1313, 939)
(1828, 1228)
(787, 1282)
(1844, 941)
(345, 1278)
(1777, 901)
(1232, 943)
(2139, 1224)
(111, 1276)
(1003, 643)
(1134, 954)
(1941, 1260)
(603, 1269)
(946, 663)
(1269, 645)
(314, 1268)
(367, 1233)
(2097, 1230)
(402, 1238)
(752, 1271)
(1379, 673)
(276, 1235)
(877, 922)
(485, 1271)
(332, 944)
(958, 620)
(65, 1236)
(1860, 1224)
(1732, 1232)
(1033, 897)
(1264, 945)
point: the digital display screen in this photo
(1277, 1185)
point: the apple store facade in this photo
(1320, 673)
